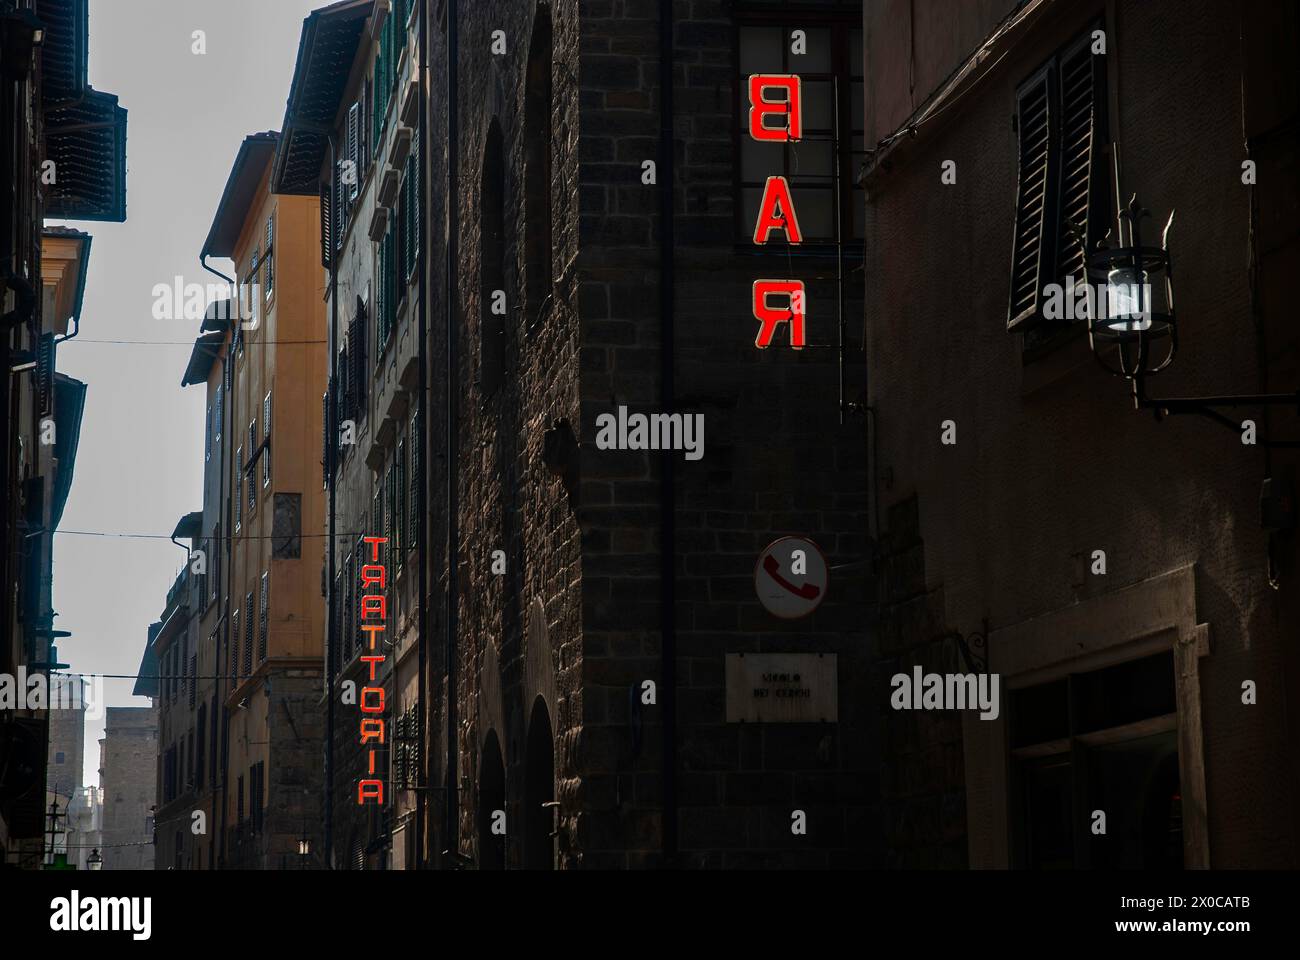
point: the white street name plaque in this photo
(782, 688)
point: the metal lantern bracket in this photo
(1208, 407)
(1134, 342)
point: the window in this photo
(256, 790)
(252, 299)
(833, 56)
(207, 437)
(399, 494)
(264, 603)
(200, 745)
(409, 211)
(217, 547)
(492, 265)
(356, 348)
(328, 433)
(266, 439)
(387, 293)
(390, 498)
(357, 594)
(269, 258)
(234, 645)
(353, 167)
(416, 442)
(1106, 740)
(1061, 197)
(58, 757)
(201, 579)
(346, 625)
(248, 633)
(194, 677)
(252, 467)
(239, 801)
(239, 487)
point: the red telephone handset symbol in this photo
(808, 591)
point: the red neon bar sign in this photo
(777, 119)
(373, 607)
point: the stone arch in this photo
(491, 798)
(539, 789)
(539, 665)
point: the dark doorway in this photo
(539, 790)
(491, 798)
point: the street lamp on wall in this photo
(1133, 331)
(1131, 298)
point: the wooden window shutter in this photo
(1082, 87)
(234, 643)
(325, 435)
(239, 487)
(357, 593)
(326, 227)
(399, 525)
(354, 150)
(346, 626)
(1031, 256)
(357, 354)
(381, 291)
(417, 203)
(345, 385)
(270, 257)
(265, 614)
(45, 374)
(248, 633)
(416, 443)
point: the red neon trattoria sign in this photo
(373, 607)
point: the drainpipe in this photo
(453, 399)
(219, 729)
(423, 471)
(667, 515)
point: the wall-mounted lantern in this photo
(1133, 330)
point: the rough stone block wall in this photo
(128, 773)
(509, 499)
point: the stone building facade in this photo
(52, 119)
(128, 757)
(558, 612)
(555, 725)
(357, 67)
(261, 632)
(67, 739)
(1110, 568)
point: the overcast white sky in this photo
(139, 465)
